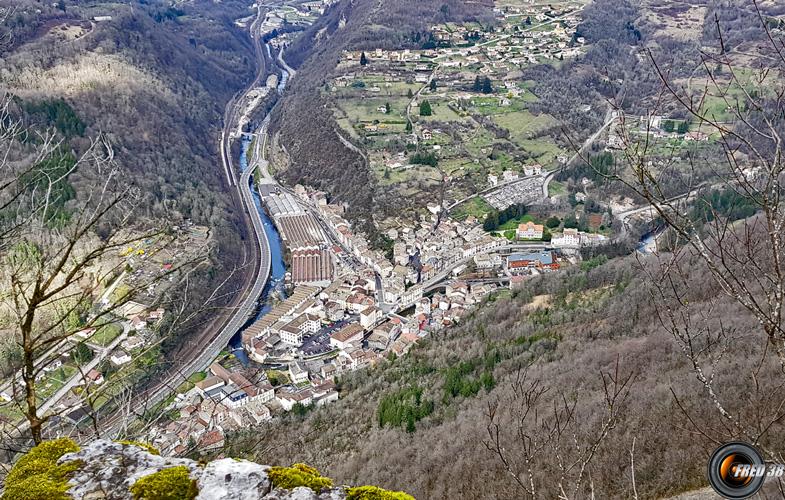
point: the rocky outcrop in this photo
(123, 470)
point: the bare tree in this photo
(746, 258)
(60, 250)
(550, 436)
(743, 255)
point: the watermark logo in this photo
(737, 470)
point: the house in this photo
(212, 440)
(529, 231)
(137, 323)
(287, 398)
(696, 136)
(517, 282)
(54, 365)
(290, 333)
(119, 358)
(510, 175)
(570, 238)
(530, 170)
(334, 311)
(297, 373)
(86, 333)
(384, 335)
(209, 384)
(369, 316)
(95, 377)
(132, 343)
(157, 314)
(487, 261)
(349, 334)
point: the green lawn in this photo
(193, 379)
(523, 125)
(542, 149)
(513, 223)
(366, 110)
(106, 334)
(556, 188)
(54, 381)
(475, 206)
(441, 112)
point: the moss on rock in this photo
(37, 474)
(150, 449)
(375, 493)
(174, 483)
(298, 475)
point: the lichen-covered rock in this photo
(111, 469)
(230, 479)
(107, 470)
(305, 493)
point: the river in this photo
(278, 267)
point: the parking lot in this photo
(319, 342)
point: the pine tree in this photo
(363, 59)
(684, 127)
(425, 108)
(387, 108)
(477, 87)
(487, 88)
(433, 85)
(410, 94)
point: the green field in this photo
(106, 334)
(524, 125)
(475, 206)
(556, 188)
(366, 110)
(543, 150)
(441, 112)
(419, 174)
(54, 381)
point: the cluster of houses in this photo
(513, 175)
(422, 250)
(514, 42)
(223, 401)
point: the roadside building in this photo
(525, 263)
(346, 336)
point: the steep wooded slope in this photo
(307, 127)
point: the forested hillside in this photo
(149, 79)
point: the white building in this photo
(529, 231)
(119, 358)
(297, 373)
(369, 316)
(570, 238)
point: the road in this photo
(77, 378)
(609, 119)
(445, 273)
(209, 352)
(205, 354)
